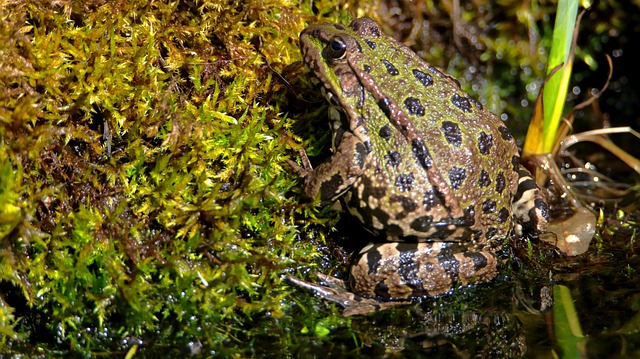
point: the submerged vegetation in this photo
(146, 205)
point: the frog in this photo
(419, 163)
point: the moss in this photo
(143, 197)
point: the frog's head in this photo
(331, 54)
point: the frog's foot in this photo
(335, 291)
(529, 206)
(572, 235)
(306, 168)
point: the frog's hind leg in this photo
(393, 271)
(529, 207)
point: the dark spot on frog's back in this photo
(404, 182)
(484, 180)
(462, 103)
(366, 68)
(390, 68)
(456, 177)
(501, 182)
(504, 132)
(385, 132)
(503, 215)
(393, 158)
(371, 44)
(330, 187)
(425, 79)
(485, 142)
(515, 161)
(414, 106)
(488, 206)
(421, 153)
(452, 133)
(384, 104)
(339, 27)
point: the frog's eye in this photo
(336, 48)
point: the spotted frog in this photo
(416, 160)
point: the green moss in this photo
(142, 189)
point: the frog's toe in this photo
(336, 292)
(529, 207)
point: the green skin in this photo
(416, 159)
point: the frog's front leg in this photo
(334, 177)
